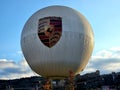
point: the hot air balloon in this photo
(56, 40)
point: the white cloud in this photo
(106, 61)
(113, 67)
(6, 64)
(11, 70)
(19, 52)
(103, 54)
(115, 49)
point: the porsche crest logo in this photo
(50, 30)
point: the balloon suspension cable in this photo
(70, 85)
(48, 84)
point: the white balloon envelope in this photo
(56, 40)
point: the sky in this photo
(103, 15)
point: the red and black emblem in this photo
(50, 30)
